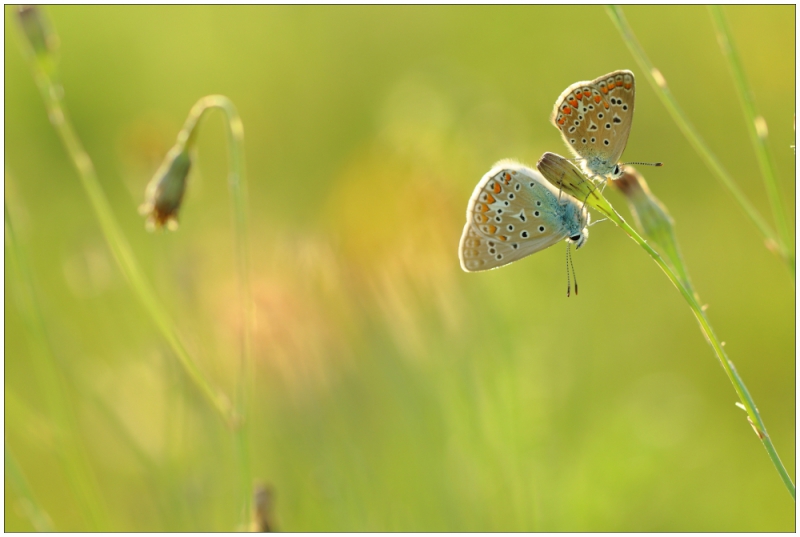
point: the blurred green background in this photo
(394, 391)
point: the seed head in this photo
(653, 219)
(165, 191)
(649, 213)
(38, 32)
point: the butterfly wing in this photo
(513, 212)
(565, 176)
(595, 119)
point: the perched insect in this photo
(515, 212)
(595, 119)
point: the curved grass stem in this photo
(655, 220)
(52, 95)
(705, 326)
(756, 127)
(656, 80)
(238, 188)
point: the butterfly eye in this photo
(575, 238)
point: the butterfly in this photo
(595, 119)
(514, 212)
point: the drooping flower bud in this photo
(652, 218)
(165, 190)
(39, 34)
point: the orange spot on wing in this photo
(574, 103)
(611, 86)
(508, 178)
(604, 89)
(587, 93)
(502, 238)
(597, 98)
(561, 121)
(489, 197)
(497, 190)
(606, 105)
(492, 229)
(628, 85)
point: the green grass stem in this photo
(49, 375)
(566, 176)
(52, 95)
(30, 505)
(738, 384)
(657, 81)
(238, 189)
(756, 127)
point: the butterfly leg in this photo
(560, 187)
(586, 199)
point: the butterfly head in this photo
(579, 238)
(581, 229)
(599, 166)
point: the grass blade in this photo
(657, 81)
(30, 505)
(70, 451)
(565, 175)
(756, 127)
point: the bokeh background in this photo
(394, 391)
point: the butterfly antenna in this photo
(568, 282)
(574, 276)
(657, 164)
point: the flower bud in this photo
(165, 190)
(648, 212)
(263, 507)
(38, 33)
(652, 218)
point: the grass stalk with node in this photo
(659, 84)
(756, 128)
(40, 44)
(566, 176)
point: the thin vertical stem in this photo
(659, 84)
(33, 510)
(756, 127)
